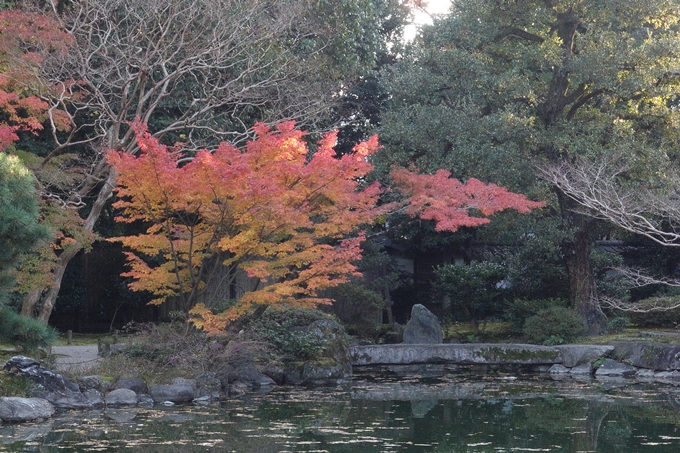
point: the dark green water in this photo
(456, 414)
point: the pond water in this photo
(500, 413)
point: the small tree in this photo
(288, 220)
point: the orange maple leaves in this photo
(290, 220)
(24, 41)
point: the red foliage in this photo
(290, 221)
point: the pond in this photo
(458, 413)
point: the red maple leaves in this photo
(290, 221)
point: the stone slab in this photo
(653, 356)
(463, 354)
(581, 354)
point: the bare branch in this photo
(639, 278)
(646, 306)
(602, 190)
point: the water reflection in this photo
(455, 414)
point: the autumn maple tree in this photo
(291, 222)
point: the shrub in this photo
(617, 324)
(286, 331)
(520, 310)
(164, 351)
(554, 324)
(28, 333)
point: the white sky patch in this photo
(421, 18)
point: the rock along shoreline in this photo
(646, 362)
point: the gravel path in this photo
(75, 358)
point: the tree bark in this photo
(30, 302)
(576, 248)
(49, 295)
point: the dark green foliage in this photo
(286, 331)
(15, 385)
(519, 310)
(476, 292)
(617, 324)
(28, 333)
(19, 227)
(655, 318)
(554, 325)
(356, 303)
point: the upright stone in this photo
(423, 327)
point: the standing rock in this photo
(423, 327)
(15, 409)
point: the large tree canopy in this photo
(290, 221)
(194, 71)
(498, 89)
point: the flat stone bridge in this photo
(477, 354)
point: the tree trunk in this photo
(30, 302)
(576, 248)
(49, 295)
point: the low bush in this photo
(25, 332)
(520, 310)
(616, 325)
(285, 330)
(163, 351)
(554, 325)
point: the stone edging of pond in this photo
(646, 362)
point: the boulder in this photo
(248, 375)
(333, 339)
(144, 400)
(325, 373)
(585, 369)
(208, 385)
(94, 382)
(15, 409)
(653, 356)
(613, 368)
(184, 381)
(178, 394)
(423, 327)
(45, 379)
(137, 385)
(94, 397)
(579, 354)
(276, 371)
(69, 400)
(121, 397)
(292, 373)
